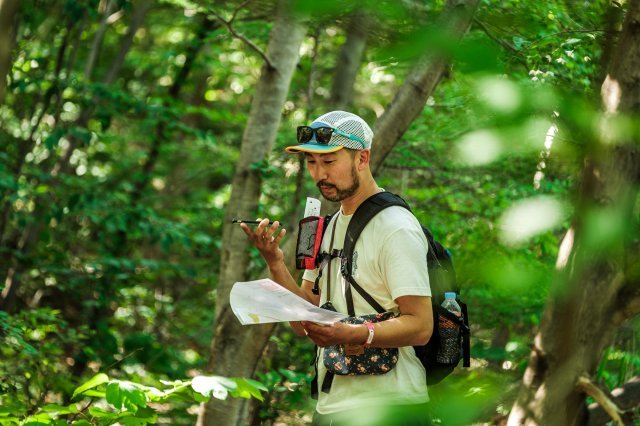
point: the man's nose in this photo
(322, 172)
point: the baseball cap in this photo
(342, 122)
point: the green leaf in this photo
(114, 396)
(142, 417)
(101, 413)
(572, 41)
(93, 393)
(258, 385)
(60, 409)
(247, 389)
(215, 386)
(38, 419)
(52, 140)
(96, 380)
(127, 394)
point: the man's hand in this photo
(267, 240)
(336, 333)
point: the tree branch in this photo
(626, 397)
(240, 36)
(498, 40)
(503, 43)
(235, 12)
(587, 386)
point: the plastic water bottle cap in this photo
(450, 295)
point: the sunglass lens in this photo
(323, 134)
(305, 133)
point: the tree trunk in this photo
(235, 349)
(137, 19)
(161, 134)
(96, 45)
(599, 290)
(8, 11)
(349, 60)
(419, 85)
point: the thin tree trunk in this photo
(234, 350)
(206, 27)
(96, 45)
(349, 60)
(597, 290)
(73, 58)
(419, 85)
(8, 13)
(137, 18)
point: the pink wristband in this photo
(369, 325)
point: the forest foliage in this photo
(119, 132)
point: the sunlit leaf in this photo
(247, 388)
(530, 217)
(215, 386)
(478, 148)
(96, 380)
(499, 93)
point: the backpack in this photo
(450, 339)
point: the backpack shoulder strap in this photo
(363, 214)
(322, 257)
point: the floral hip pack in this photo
(350, 360)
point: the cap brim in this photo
(313, 148)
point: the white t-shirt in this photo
(389, 261)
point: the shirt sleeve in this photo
(310, 275)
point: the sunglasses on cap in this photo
(323, 135)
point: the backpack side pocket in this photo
(450, 330)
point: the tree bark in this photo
(419, 85)
(597, 289)
(349, 60)
(236, 350)
(8, 12)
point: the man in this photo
(389, 262)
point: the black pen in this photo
(248, 222)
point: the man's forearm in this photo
(281, 275)
(405, 330)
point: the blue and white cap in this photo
(345, 122)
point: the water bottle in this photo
(451, 305)
(449, 351)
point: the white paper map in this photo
(264, 301)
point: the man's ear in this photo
(364, 156)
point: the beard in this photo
(341, 193)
